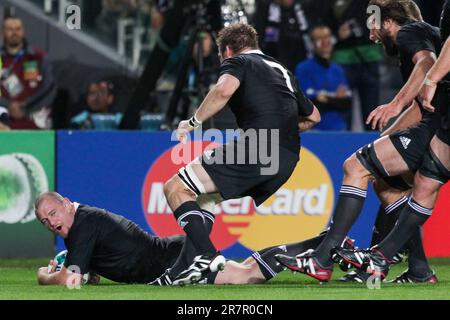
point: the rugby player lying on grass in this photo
(108, 245)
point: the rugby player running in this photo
(391, 157)
(270, 110)
(432, 174)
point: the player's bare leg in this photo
(434, 172)
(427, 184)
(177, 192)
(240, 273)
(378, 159)
(389, 195)
(181, 192)
(392, 202)
(426, 189)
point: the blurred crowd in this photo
(325, 43)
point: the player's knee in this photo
(176, 192)
(425, 188)
(168, 187)
(382, 190)
(172, 187)
(353, 168)
(247, 276)
(378, 186)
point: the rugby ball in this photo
(60, 258)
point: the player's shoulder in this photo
(86, 213)
(254, 56)
(418, 29)
(236, 60)
(244, 61)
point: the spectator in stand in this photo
(283, 26)
(26, 82)
(359, 57)
(102, 101)
(96, 110)
(324, 82)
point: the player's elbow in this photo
(315, 116)
(427, 62)
(223, 91)
(42, 279)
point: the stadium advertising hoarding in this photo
(27, 163)
(124, 172)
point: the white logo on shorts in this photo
(183, 224)
(405, 142)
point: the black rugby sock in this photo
(417, 261)
(188, 252)
(386, 219)
(270, 267)
(412, 216)
(348, 208)
(191, 219)
(379, 227)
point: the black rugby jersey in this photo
(268, 96)
(116, 248)
(415, 37)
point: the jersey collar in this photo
(252, 51)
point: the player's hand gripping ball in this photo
(57, 263)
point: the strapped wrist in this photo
(194, 123)
(429, 82)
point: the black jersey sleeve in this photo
(305, 106)
(80, 247)
(234, 66)
(413, 38)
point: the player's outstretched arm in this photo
(407, 119)
(306, 123)
(216, 99)
(423, 61)
(62, 277)
(439, 70)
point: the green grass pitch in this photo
(18, 281)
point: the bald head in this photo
(55, 212)
(47, 195)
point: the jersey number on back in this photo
(283, 71)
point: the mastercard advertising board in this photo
(125, 173)
(306, 200)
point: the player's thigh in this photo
(442, 151)
(387, 193)
(238, 273)
(425, 190)
(203, 177)
(389, 157)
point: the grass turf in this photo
(18, 281)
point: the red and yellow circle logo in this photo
(299, 210)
